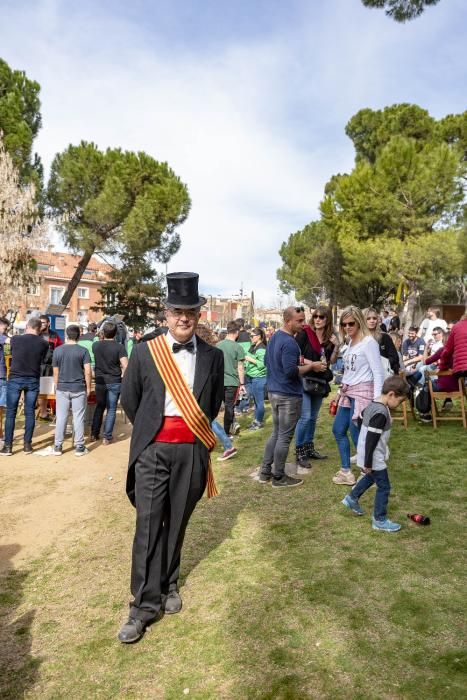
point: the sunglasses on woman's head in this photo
(351, 324)
(319, 316)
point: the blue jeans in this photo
(383, 489)
(257, 390)
(342, 425)
(2, 393)
(305, 430)
(221, 435)
(107, 396)
(30, 387)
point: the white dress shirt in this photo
(186, 362)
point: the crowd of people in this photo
(177, 379)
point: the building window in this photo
(88, 272)
(83, 293)
(55, 294)
(34, 290)
(43, 266)
(82, 316)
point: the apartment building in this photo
(54, 271)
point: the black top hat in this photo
(182, 291)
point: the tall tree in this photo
(397, 220)
(135, 291)
(20, 233)
(20, 121)
(115, 202)
(401, 10)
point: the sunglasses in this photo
(350, 324)
(299, 309)
(319, 316)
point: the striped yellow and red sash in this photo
(184, 400)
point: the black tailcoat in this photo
(143, 396)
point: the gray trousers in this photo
(77, 400)
(286, 411)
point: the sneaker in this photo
(27, 448)
(6, 451)
(286, 481)
(235, 429)
(93, 438)
(107, 441)
(57, 451)
(45, 419)
(426, 418)
(231, 452)
(264, 478)
(81, 451)
(255, 426)
(447, 405)
(353, 460)
(385, 525)
(351, 503)
(344, 477)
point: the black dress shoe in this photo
(131, 631)
(172, 603)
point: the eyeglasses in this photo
(189, 313)
(350, 324)
(299, 309)
(319, 316)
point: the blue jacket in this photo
(282, 359)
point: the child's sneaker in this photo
(344, 476)
(227, 454)
(385, 525)
(351, 503)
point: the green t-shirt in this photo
(233, 354)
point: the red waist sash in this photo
(175, 430)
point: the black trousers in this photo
(230, 394)
(170, 480)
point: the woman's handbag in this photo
(315, 386)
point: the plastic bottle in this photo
(419, 518)
(333, 407)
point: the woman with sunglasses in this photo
(319, 344)
(362, 382)
(384, 340)
(255, 371)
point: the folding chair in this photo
(437, 395)
(403, 414)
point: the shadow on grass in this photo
(18, 668)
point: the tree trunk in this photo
(75, 280)
(410, 304)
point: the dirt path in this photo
(43, 500)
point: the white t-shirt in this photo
(426, 329)
(362, 363)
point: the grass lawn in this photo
(286, 594)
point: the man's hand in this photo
(367, 470)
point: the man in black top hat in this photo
(168, 464)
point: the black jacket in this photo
(143, 397)
(309, 353)
(388, 350)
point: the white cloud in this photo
(255, 129)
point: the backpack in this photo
(423, 400)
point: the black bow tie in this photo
(176, 347)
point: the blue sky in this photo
(247, 101)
